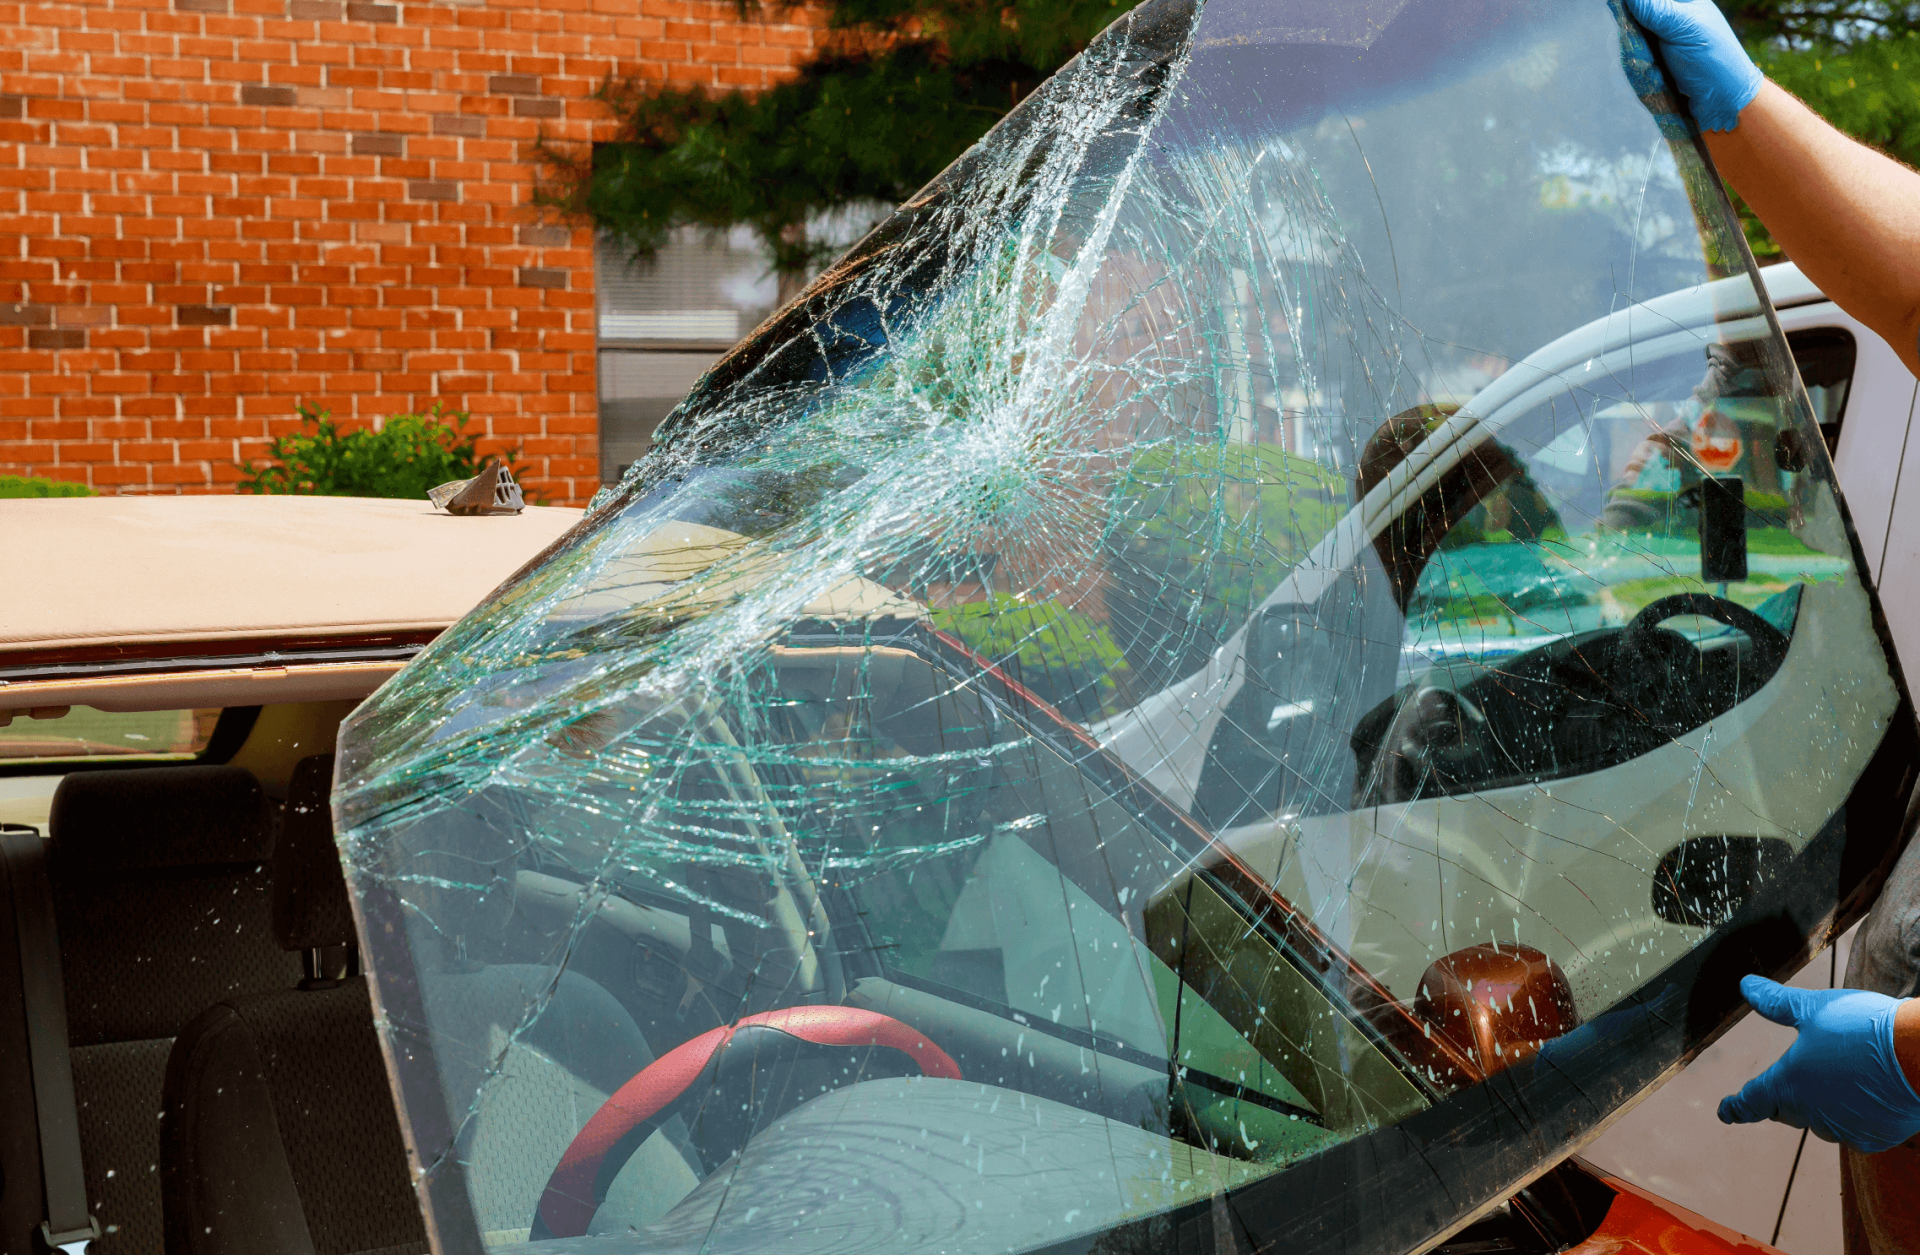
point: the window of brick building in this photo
(663, 321)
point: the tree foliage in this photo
(902, 89)
(1870, 89)
(406, 455)
(1809, 23)
(1852, 61)
(905, 86)
(1042, 644)
(1261, 508)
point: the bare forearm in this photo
(1848, 215)
(1906, 1040)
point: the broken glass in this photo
(1255, 660)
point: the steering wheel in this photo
(1768, 641)
(1437, 732)
(667, 1087)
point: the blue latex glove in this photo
(1705, 57)
(1840, 1079)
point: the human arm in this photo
(1848, 215)
(1906, 1039)
(1853, 1073)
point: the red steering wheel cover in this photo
(567, 1205)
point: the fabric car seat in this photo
(280, 1136)
(160, 894)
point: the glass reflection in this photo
(1290, 580)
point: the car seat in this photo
(159, 892)
(279, 1135)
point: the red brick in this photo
(312, 200)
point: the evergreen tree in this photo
(905, 86)
(1811, 23)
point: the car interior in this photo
(187, 925)
(187, 922)
(983, 985)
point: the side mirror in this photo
(1499, 1004)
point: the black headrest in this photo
(105, 822)
(310, 906)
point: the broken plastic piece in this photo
(492, 491)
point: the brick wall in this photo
(211, 210)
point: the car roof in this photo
(1786, 286)
(106, 571)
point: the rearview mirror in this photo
(1284, 645)
(1498, 1004)
(1723, 530)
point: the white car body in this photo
(1771, 1180)
(1871, 459)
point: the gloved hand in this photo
(1706, 58)
(1840, 1079)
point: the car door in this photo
(1772, 1181)
(1533, 745)
(1867, 396)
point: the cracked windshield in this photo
(1283, 597)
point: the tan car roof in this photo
(127, 570)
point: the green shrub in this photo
(409, 454)
(33, 486)
(1201, 534)
(1859, 86)
(1061, 654)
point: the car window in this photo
(1254, 663)
(989, 842)
(1587, 531)
(1825, 356)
